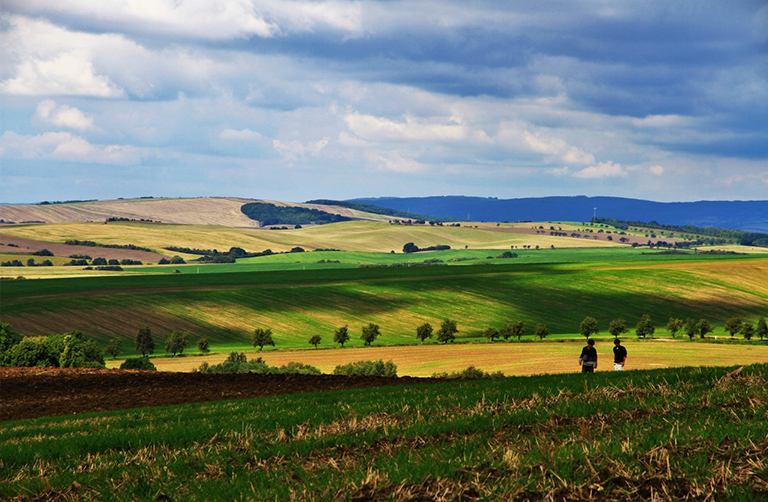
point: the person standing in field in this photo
(619, 355)
(588, 358)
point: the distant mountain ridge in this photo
(751, 216)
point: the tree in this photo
(492, 334)
(144, 343)
(315, 340)
(703, 327)
(176, 343)
(341, 335)
(75, 350)
(8, 339)
(674, 325)
(447, 331)
(113, 348)
(517, 329)
(690, 327)
(747, 330)
(618, 327)
(410, 247)
(645, 326)
(424, 331)
(203, 346)
(762, 328)
(541, 331)
(370, 333)
(588, 327)
(262, 337)
(506, 331)
(177, 260)
(733, 325)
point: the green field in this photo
(694, 433)
(227, 307)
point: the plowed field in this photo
(40, 392)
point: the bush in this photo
(367, 368)
(138, 363)
(470, 373)
(32, 352)
(237, 362)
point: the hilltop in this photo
(751, 216)
(222, 211)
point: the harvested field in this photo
(509, 358)
(22, 245)
(39, 392)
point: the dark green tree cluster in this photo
(68, 350)
(270, 214)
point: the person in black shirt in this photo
(619, 356)
(588, 358)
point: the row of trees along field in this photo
(74, 349)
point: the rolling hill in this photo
(223, 211)
(749, 216)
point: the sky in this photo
(664, 100)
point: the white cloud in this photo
(202, 19)
(67, 74)
(50, 113)
(661, 121)
(294, 150)
(241, 135)
(394, 161)
(656, 170)
(601, 170)
(67, 147)
(377, 128)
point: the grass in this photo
(227, 307)
(693, 433)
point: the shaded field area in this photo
(226, 308)
(675, 434)
(40, 392)
(509, 358)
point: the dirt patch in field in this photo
(28, 246)
(40, 392)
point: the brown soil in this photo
(40, 392)
(28, 246)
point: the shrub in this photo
(138, 363)
(367, 368)
(237, 362)
(299, 369)
(470, 373)
(32, 352)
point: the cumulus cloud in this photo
(68, 74)
(50, 113)
(65, 146)
(656, 170)
(601, 170)
(241, 135)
